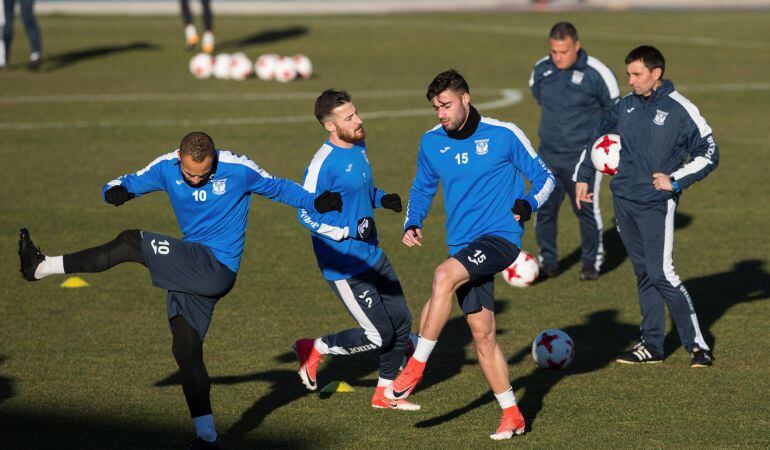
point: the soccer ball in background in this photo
(303, 65)
(240, 66)
(553, 349)
(523, 272)
(222, 66)
(265, 66)
(201, 66)
(605, 154)
(285, 70)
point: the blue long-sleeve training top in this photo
(481, 169)
(663, 133)
(347, 171)
(216, 213)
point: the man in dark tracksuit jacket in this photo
(660, 130)
(573, 91)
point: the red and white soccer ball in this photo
(202, 66)
(264, 67)
(553, 349)
(285, 70)
(523, 272)
(240, 66)
(605, 154)
(303, 65)
(222, 66)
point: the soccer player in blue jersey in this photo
(481, 163)
(210, 192)
(346, 247)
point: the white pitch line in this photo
(508, 97)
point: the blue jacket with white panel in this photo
(662, 133)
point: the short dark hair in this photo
(451, 79)
(562, 31)
(197, 145)
(650, 56)
(327, 101)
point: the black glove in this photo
(117, 195)
(391, 202)
(523, 209)
(364, 228)
(328, 201)
(411, 227)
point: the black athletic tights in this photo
(127, 247)
(208, 18)
(188, 352)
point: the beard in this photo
(352, 137)
(455, 124)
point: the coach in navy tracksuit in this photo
(667, 146)
(573, 91)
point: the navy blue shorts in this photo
(483, 259)
(193, 276)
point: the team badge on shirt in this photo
(482, 146)
(660, 117)
(577, 77)
(218, 186)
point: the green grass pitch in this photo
(92, 368)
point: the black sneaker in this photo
(589, 273)
(700, 358)
(640, 355)
(201, 444)
(548, 271)
(29, 256)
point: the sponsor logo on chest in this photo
(660, 117)
(482, 146)
(577, 76)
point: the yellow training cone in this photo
(74, 282)
(337, 386)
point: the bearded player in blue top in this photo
(210, 192)
(348, 254)
(480, 162)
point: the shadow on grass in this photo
(25, 430)
(614, 252)
(360, 370)
(6, 385)
(713, 295)
(597, 342)
(62, 60)
(285, 387)
(264, 37)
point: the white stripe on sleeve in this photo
(226, 156)
(607, 76)
(692, 110)
(311, 180)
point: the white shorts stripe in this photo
(355, 310)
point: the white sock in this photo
(321, 347)
(382, 382)
(204, 427)
(506, 399)
(190, 31)
(51, 265)
(208, 37)
(423, 349)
